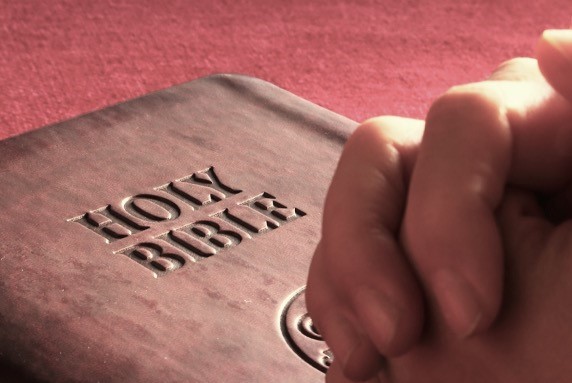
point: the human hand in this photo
(512, 129)
(531, 339)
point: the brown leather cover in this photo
(167, 238)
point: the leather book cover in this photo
(167, 238)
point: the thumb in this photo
(554, 54)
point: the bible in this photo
(167, 238)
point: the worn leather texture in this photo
(163, 238)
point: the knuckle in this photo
(466, 102)
(374, 128)
(473, 94)
(380, 121)
(517, 62)
(514, 69)
(388, 129)
(386, 132)
(374, 141)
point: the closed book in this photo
(167, 238)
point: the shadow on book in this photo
(10, 373)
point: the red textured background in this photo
(360, 58)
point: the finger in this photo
(449, 228)
(525, 232)
(554, 53)
(477, 138)
(517, 69)
(362, 262)
(352, 349)
(540, 121)
(531, 167)
(336, 375)
(542, 132)
(361, 219)
(522, 223)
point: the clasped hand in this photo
(446, 249)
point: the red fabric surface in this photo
(359, 58)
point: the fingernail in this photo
(458, 303)
(560, 39)
(379, 314)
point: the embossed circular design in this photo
(301, 335)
